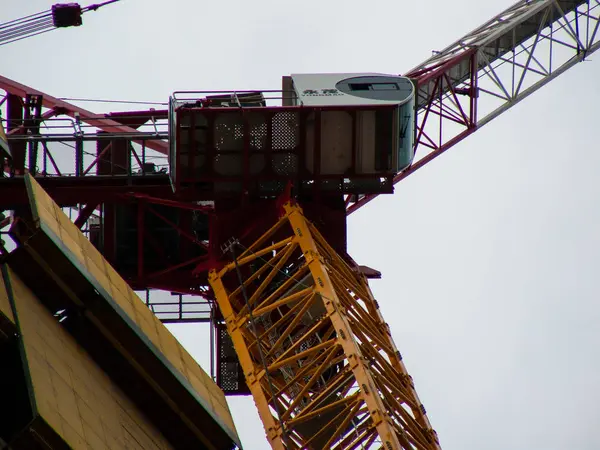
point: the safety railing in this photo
(239, 99)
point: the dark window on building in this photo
(360, 86)
(384, 87)
(374, 86)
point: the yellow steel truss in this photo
(316, 353)
(4, 148)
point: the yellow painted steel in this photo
(4, 142)
(48, 215)
(317, 355)
(5, 308)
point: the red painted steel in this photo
(230, 219)
(446, 115)
(61, 107)
(188, 174)
(444, 96)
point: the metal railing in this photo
(240, 99)
(66, 146)
(68, 129)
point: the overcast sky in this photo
(489, 255)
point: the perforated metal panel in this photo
(258, 151)
(230, 376)
(286, 130)
(285, 141)
(258, 131)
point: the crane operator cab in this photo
(337, 133)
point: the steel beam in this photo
(102, 122)
(70, 191)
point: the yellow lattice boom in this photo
(316, 353)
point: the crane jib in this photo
(491, 69)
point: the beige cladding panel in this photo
(5, 308)
(336, 142)
(365, 136)
(4, 147)
(51, 216)
(73, 395)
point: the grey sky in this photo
(489, 255)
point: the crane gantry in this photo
(270, 248)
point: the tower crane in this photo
(248, 216)
(61, 15)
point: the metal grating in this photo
(230, 376)
(178, 308)
(286, 130)
(285, 164)
(229, 132)
(259, 151)
(258, 131)
(286, 136)
(229, 143)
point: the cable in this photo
(98, 5)
(25, 37)
(24, 19)
(26, 27)
(25, 30)
(60, 16)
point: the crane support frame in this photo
(317, 355)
